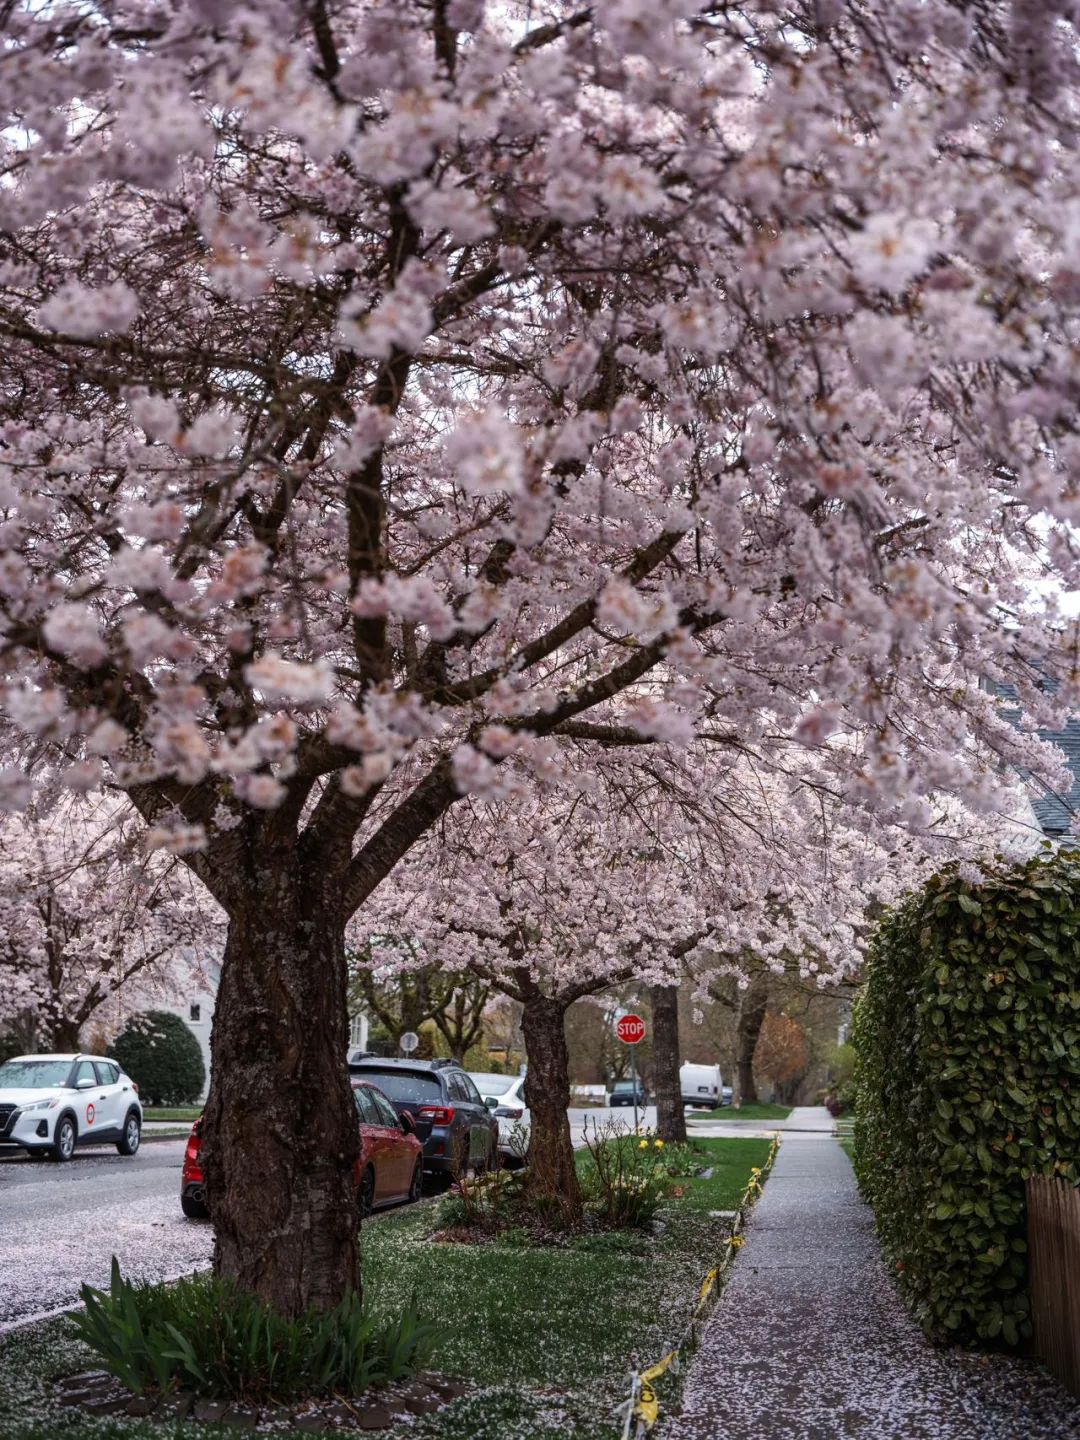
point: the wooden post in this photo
(1053, 1209)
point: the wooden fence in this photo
(1054, 1254)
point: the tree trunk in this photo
(63, 1034)
(670, 1118)
(280, 1128)
(552, 1174)
(751, 1019)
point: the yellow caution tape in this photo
(706, 1289)
(655, 1371)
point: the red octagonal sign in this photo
(631, 1029)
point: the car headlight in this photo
(40, 1105)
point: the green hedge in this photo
(162, 1056)
(967, 1036)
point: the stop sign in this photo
(630, 1029)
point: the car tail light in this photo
(191, 1154)
(438, 1114)
(507, 1112)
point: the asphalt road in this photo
(60, 1225)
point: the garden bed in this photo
(541, 1334)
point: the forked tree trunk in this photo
(552, 1174)
(751, 1019)
(670, 1118)
(281, 1131)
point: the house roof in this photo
(1055, 811)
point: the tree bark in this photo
(751, 1019)
(280, 1128)
(670, 1118)
(62, 1033)
(552, 1174)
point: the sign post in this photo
(409, 1041)
(631, 1031)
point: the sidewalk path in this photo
(810, 1341)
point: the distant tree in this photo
(86, 911)
(411, 999)
(162, 1056)
(782, 1055)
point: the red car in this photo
(390, 1168)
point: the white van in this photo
(701, 1085)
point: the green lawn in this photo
(845, 1133)
(544, 1333)
(172, 1112)
(755, 1111)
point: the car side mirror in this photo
(85, 1084)
(408, 1124)
(491, 1102)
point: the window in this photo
(467, 1091)
(409, 1087)
(84, 1071)
(386, 1111)
(494, 1084)
(34, 1074)
(369, 1115)
(107, 1073)
(462, 1088)
(195, 1012)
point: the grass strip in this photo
(755, 1111)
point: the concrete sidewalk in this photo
(810, 1340)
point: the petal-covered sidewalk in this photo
(811, 1341)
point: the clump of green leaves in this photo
(206, 1334)
(967, 1037)
(491, 1199)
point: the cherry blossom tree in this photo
(641, 863)
(87, 913)
(393, 387)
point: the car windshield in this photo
(34, 1074)
(626, 1085)
(493, 1084)
(407, 1087)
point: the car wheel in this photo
(128, 1144)
(366, 1198)
(64, 1138)
(194, 1209)
(416, 1189)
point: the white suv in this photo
(51, 1103)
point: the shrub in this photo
(968, 1081)
(162, 1056)
(205, 1334)
(625, 1179)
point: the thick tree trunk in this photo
(670, 1119)
(751, 1019)
(280, 1127)
(63, 1034)
(552, 1174)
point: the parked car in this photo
(504, 1095)
(726, 1094)
(50, 1104)
(701, 1085)
(457, 1130)
(622, 1093)
(389, 1168)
